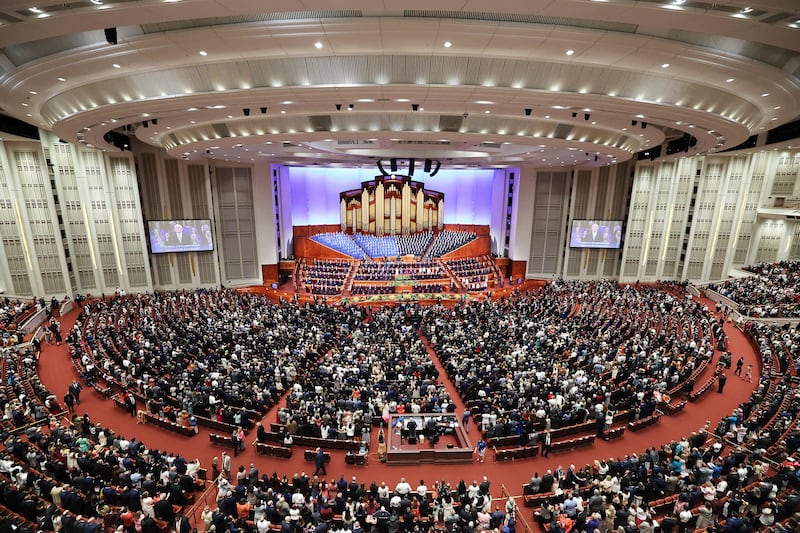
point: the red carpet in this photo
(56, 372)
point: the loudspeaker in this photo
(246, 111)
(427, 166)
(393, 163)
(528, 111)
(111, 35)
(411, 167)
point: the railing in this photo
(66, 307)
(208, 497)
(34, 321)
(519, 517)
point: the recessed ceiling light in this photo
(484, 102)
(729, 80)
(487, 111)
(287, 102)
(29, 115)
(24, 104)
(33, 92)
(318, 45)
(665, 65)
(283, 112)
(145, 114)
(448, 44)
(192, 109)
(61, 79)
(97, 2)
(35, 10)
(203, 53)
(402, 100)
(776, 107)
(116, 65)
(570, 52)
(764, 94)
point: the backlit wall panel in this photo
(315, 193)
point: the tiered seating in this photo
(414, 244)
(325, 276)
(341, 242)
(378, 246)
(694, 395)
(772, 292)
(446, 241)
(472, 272)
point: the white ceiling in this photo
(587, 69)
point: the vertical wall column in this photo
(264, 217)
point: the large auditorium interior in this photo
(305, 266)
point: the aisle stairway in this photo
(347, 284)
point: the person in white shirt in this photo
(403, 488)
(422, 489)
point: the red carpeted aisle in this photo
(56, 372)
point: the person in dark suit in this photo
(546, 444)
(319, 463)
(179, 236)
(595, 234)
(182, 524)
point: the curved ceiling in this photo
(540, 83)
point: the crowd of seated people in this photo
(390, 270)
(472, 272)
(378, 245)
(203, 350)
(79, 476)
(742, 476)
(424, 288)
(772, 292)
(12, 314)
(414, 244)
(531, 361)
(446, 241)
(324, 276)
(361, 378)
(341, 242)
(203, 347)
(368, 289)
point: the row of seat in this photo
(272, 450)
(694, 395)
(520, 452)
(644, 422)
(571, 444)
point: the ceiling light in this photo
(678, 2)
(33, 92)
(764, 94)
(287, 102)
(203, 53)
(448, 44)
(487, 111)
(97, 2)
(317, 45)
(35, 10)
(484, 102)
(402, 100)
(665, 65)
(283, 112)
(729, 80)
(570, 52)
(116, 65)
(747, 10)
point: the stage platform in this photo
(411, 446)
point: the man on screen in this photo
(179, 236)
(595, 235)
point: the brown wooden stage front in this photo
(411, 446)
